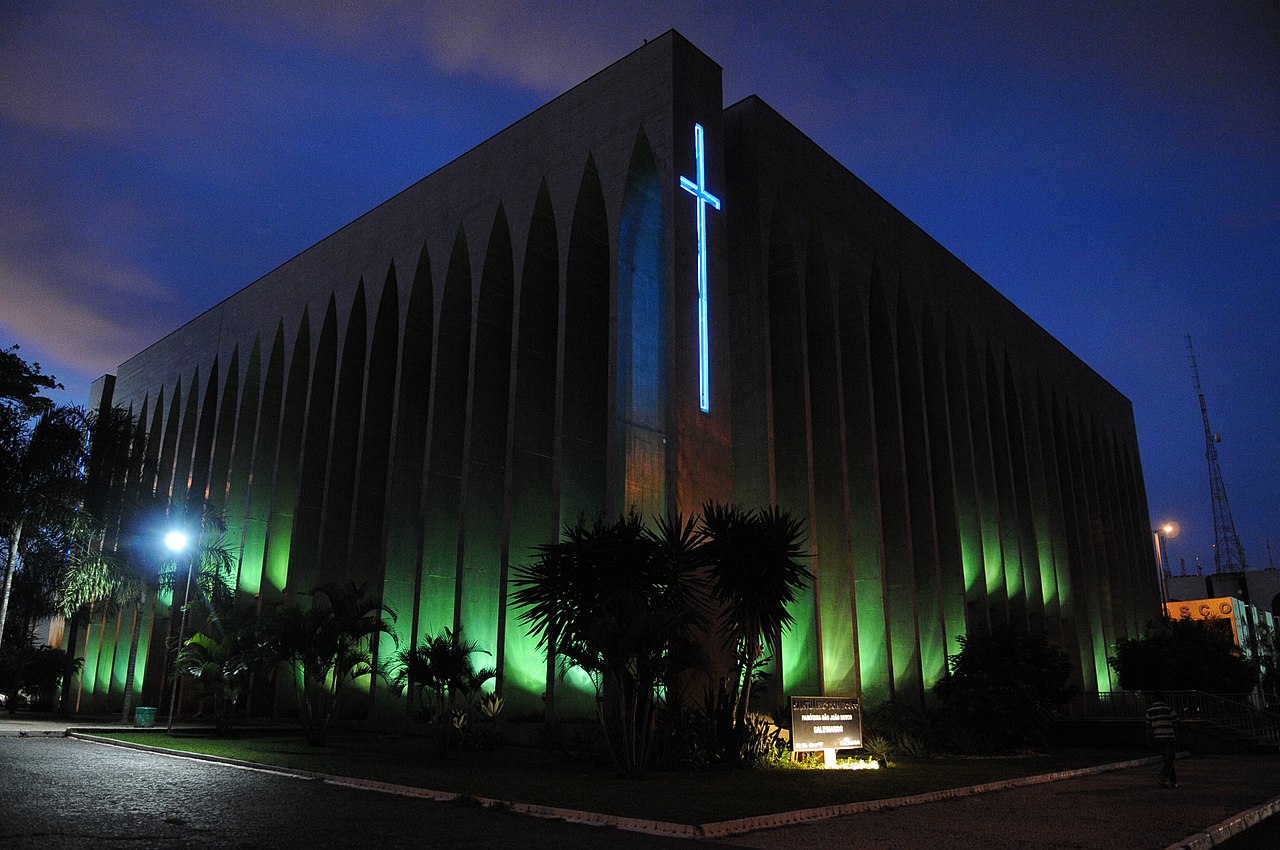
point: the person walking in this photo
(1160, 719)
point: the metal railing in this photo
(1237, 712)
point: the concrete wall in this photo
(958, 466)
(422, 398)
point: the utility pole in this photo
(1228, 554)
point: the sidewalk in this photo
(1219, 796)
(33, 725)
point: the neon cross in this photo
(699, 191)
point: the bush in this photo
(879, 748)
(1004, 687)
(1184, 655)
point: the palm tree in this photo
(88, 578)
(440, 669)
(327, 646)
(614, 599)
(223, 657)
(753, 559)
(39, 479)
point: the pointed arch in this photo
(260, 507)
(206, 425)
(1002, 466)
(186, 439)
(895, 524)
(863, 496)
(402, 575)
(532, 499)
(443, 491)
(365, 556)
(931, 627)
(584, 395)
(833, 598)
(225, 433)
(951, 568)
(480, 557)
(241, 464)
(789, 426)
(642, 334)
(985, 485)
(344, 450)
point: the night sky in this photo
(1111, 167)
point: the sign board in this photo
(825, 723)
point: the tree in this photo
(21, 384)
(1005, 685)
(129, 565)
(39, 480)
(34, 597)
(327, 646)
(222, 658)
(440, 672)
(754, 560)
(89, 578)
(618, 601)
(1184, 655)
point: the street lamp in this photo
(1162, 533)
(178, 542)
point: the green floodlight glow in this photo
(176, 540)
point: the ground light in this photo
(853, 764)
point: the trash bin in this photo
(145, 715)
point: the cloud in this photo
(152, 79)
(81, 306)
(544, 46)
(547, 47)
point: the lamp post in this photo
(178, 542)
(1162, 533)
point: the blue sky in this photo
(1111, 167)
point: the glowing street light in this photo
(176, 541)
(1162, 533)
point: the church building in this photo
(636, 296)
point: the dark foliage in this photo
(619, 601)
(1184, 655)
(1004, 687)
(21, 384)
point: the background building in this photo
(424, 396)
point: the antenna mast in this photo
(1228, 554)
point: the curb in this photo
(718, 829)
(1204, 840)
(1229, 828)
(722, 829)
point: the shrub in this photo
(1005, 685)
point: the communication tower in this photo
(1228, 554)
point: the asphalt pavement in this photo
(68, 793)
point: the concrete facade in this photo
(423, 397)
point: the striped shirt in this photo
(1160, 717)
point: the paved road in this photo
(64, 793)
(73, 794)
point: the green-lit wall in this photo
(424, 397)
(958, 466)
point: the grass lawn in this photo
(528, 775)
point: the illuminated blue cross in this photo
(699, 191)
